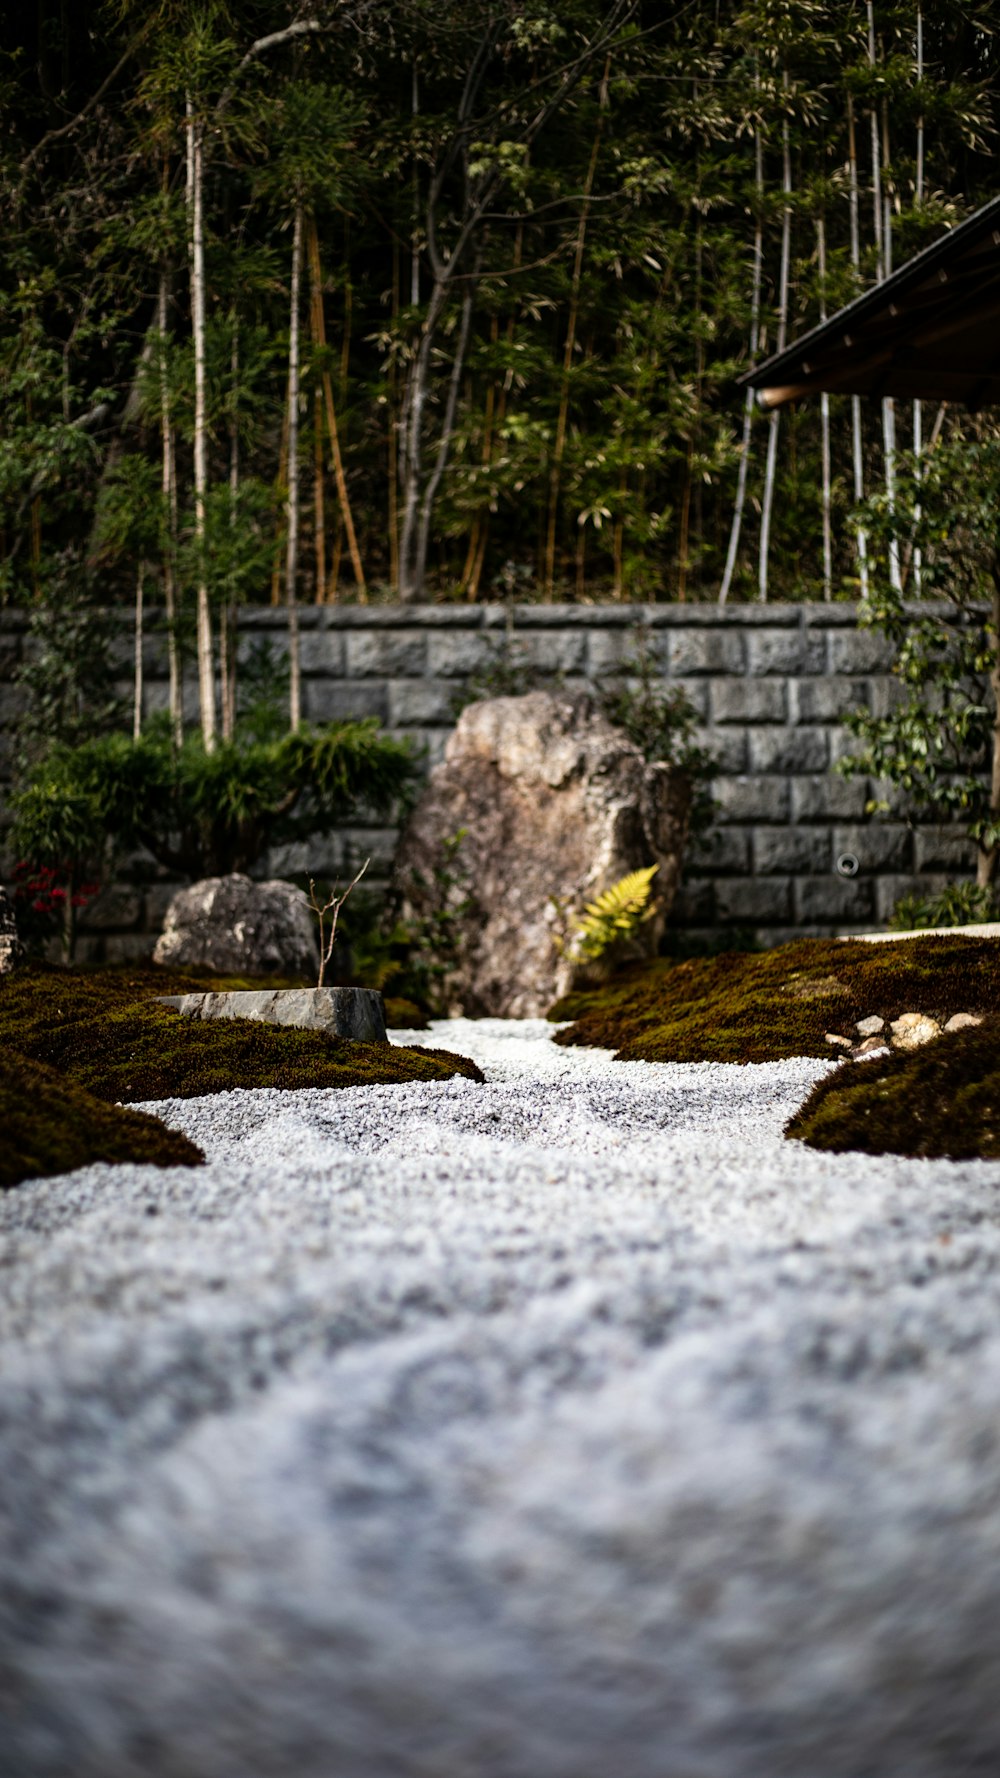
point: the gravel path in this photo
(574, 1426)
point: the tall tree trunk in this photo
(918, 413)
(562, 418)
(856, 434)
(412, 444)
(280, 487)
(392, 501)
(227, 620)
(989, 857)
(684, 529)
(447, 434)
(748, 405)
(415, 187)
(319, 499)
(137, 672)
(824, 416)
(888, 404)
(292, 535)
(318, 323)
(770, 471)
(883, 244)
(168, 485)
(206, 664)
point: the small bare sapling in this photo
(332, 907)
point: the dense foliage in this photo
(203, 813)
(506, 257)
(938, 745)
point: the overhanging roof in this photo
(931, 330)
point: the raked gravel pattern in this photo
(574, 1426)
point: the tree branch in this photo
(67, 128)
(274, 40)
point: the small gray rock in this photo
(238, 927)
(960, 1021)
(870, 1027)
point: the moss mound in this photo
(404, 1015)
(103, 1030)
(765, 1006)
(942, 1101)
(50, 1125)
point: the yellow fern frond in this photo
(616, 912)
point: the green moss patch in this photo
(104, 1031)
(765, 1006)
(404, 1015)
(942, 1101)
(50, 1125)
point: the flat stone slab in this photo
(358, 1013)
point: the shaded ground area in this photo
(569, 1425)
(100, 1035)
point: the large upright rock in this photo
(556, 803)
(11, 948)
(235, 926)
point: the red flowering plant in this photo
(40, 896)
(57, 832)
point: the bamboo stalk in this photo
(824, 415)
(393, 439)
(206, 666)
(319, 500)
(918, 412)
(292, 538)
(319, 338)
(137, 671)
(861, 537)
(562, 419)
(770, 469)
(280, 486)
(741, 474)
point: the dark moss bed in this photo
(99, 1035)
(942, 1101)
(49, 1125)
(766, 1006)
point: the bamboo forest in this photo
(384, 299)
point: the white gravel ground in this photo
(574, 1426)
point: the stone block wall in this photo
(770, 685)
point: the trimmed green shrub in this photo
(205, 814)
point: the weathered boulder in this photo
(11, 948)
(238, 927)
(358, 1013)
(556, 803)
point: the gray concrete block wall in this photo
(769, 684)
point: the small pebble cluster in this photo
(875, 1036)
